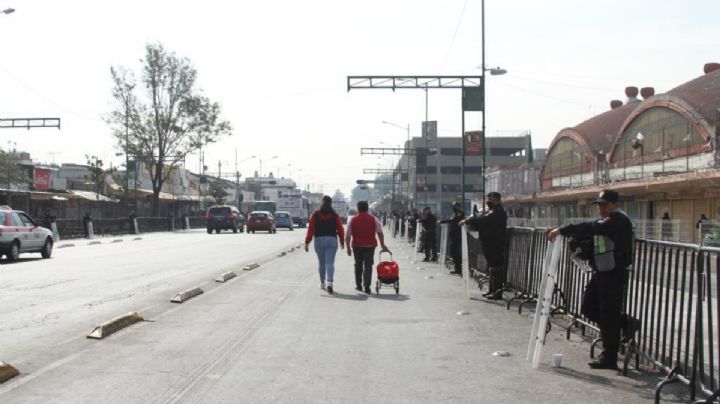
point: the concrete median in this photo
(7, 372)
(225, 277)
(250, 267)
(94, 243)
(118, 240)
(186, 295)
(65, 245)
(115, 325)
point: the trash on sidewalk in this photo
(463, 313)
(501, 353)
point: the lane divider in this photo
(137, 239)
(282, 254)
(225, 277)
(186, 295)
(7, 372)
(94, 243)
(119, 240)
(65, 245)
(115, 325)
(250, 267)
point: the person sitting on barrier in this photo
(612, 254)
(455, 236)
(492, 226)
(429, 223)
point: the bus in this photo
(267, 206)
(341, 208)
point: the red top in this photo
(362, 228)
(339, 230)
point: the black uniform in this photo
(492, 226)
(413, 218)
(603, 298)
(455, 238)
(429, 224)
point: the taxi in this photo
(19, 233)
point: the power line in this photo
(585, 104)
(452, 42)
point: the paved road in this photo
(48, 304)
(271, 335)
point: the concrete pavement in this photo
(271, 335)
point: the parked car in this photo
(19, 233)
(284, 220)
(224, 217)
(261, 220)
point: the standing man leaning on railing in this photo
(612, 254)
(492, 226)
(455, 237)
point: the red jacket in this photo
(340, 230)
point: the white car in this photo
(21, 234)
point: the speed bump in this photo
(250, 267)
(225, 277)
(7, 372)
(186, 295)
(115, 325)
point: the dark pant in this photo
(456, 253)
(429, 245)
(602, 303)
(363, 265)
(497, 279)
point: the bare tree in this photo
(163, 117)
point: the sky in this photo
(278, 69)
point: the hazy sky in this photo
(278, 69)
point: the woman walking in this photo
(327, 228)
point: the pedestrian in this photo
(492, 226)
(360, 235)
(666, 227)
(429, 234)
(703, 226)
(455, 236)
(413, 218)
(87, 220)
(131, 222)
(327, 228)
(48, 220)
(612, 254)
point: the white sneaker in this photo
(322, 285)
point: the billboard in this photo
(41, 179)
(474, 143)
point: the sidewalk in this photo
(272, 335)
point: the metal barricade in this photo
(443, 247)
(708, 349)
(663, 296)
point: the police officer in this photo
(455, 236)
(492, 225)
(612, 235)
(429, 223)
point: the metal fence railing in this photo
(670, 319)
(74, 228)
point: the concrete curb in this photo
(7, 372)
(137, 239)
(250, 267)
(65, 245)
(225, 277)
(115, 325)
(186, 295)
(95, 243)
(118, 240)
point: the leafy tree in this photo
(98, 175)
(11, 173)
(217, 191)
(164, 114)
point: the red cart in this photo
(388, 273)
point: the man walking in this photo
(603, 299)
(492, 226)
(360, 235)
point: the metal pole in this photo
(407, 156)
(127, 145)
(425, 134)
(462, 159)
(484, 153)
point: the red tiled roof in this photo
(596, 129)
(702, 94)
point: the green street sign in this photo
(472, 99)
(420, 157)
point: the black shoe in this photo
(434, 259)
(330, 289)
(358, 288)
(487, 294)
(426, 260)
(494, 296)
(603, 364)
(367, 290)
